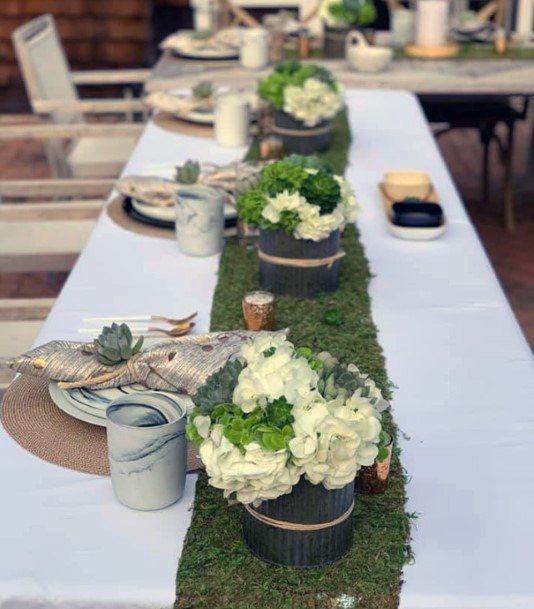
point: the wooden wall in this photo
(95, 33)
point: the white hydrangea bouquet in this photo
(307, 92)
(277, 413)
(300, 197)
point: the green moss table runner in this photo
(216, 570)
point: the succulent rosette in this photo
(307, 92)
(277, 413)
(300, 197)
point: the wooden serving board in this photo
(447, 51)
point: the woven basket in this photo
(306, 504)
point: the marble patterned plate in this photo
(90, 405)
(60, 400)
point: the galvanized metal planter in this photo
(307, 504)
(297, 281)
(334, 41)
(299, 139)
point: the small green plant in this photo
(333, 317)
(203, 90)
(115, 345)
(383, 443)
(188, 172)
(353, 12)
(201, 35)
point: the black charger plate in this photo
(139, 217)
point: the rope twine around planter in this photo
(300, 132)
(298, 526)
(303, 263)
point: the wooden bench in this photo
(40, 235)
(20, 322)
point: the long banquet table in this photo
(465, 400)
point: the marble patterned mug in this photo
(147, 449)
(200, 220)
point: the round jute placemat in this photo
(116, 212)
(31, 418)
(171, 123)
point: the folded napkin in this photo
(159, 192)
(181, 365)
(185, 41)
(180, 105)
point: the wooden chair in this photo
(51, 89)
(484, 115)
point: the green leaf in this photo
(333, 317)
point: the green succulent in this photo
(307, 162)
(201, 35)
(115, 345)
(321, 189)
(336, 378)
(188, 172)
(203, 89)
(218, 388)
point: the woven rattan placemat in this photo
(117, 213)
(168, 122)
(31, 418)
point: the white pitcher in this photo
(363, 57)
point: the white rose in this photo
(315, 226)
(202, 423)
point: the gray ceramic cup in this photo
(147, 449)
(200, 220)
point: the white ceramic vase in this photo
(366, 58)
(232, 120)
(432, 23)
(147, 449)
(254, 50)
(200, 220)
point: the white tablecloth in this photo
(465, 401)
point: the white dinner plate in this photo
(182, 47)
(195, 116)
